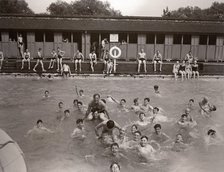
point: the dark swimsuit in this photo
(195, 68)
(182, 68)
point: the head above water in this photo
(134, 128)
(75, 102)
(135, 101)
(96, 97)
(115, 167)
(211, 132)
(39, 123)
(60, 105)
(110, 124)
(155, 110)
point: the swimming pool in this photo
(22, 104)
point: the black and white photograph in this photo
(111, 85)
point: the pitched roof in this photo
(111, 24)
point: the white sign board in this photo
(113, 37)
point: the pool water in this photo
(22, 104)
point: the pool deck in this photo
(124, 68)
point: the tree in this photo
(216, 11)
(83, 7)
(15, 6)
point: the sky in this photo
(133, 7)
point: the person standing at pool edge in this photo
(39, 60)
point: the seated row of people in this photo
(186, 70)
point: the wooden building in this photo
(172, 37)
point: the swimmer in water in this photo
(146, 107)
(143, 120)
(121, 104)
(190, 104)
(79, 131)
(145, 151)
(121, 138)
(115, 167)
(66, 115)
(96, 108)
(213, 138)
(81, 109)
(75, 104)
(39, 128)
(156, 89)
(157, 117)
(108, 131)
(206, 108)
(114, 153)
(159, 136)
(179, 145)
(136, 106)
(46, 94)
(132, 144)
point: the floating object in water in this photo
(11, 156)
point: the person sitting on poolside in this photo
(78, 59)
(79, 132)
(108, 128)
(157, 59)
(39, 128)
(195, 69)
(146, 107)
(96, 107)
(141, 60)
(158, 135)
(176, 68)
(115, 167)
(26, 58)
(65, 72)
(206, 107)
(188, 70)
(182, 70)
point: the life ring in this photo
(11, 156)
(113, 53)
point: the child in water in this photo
(213, 138)
(115, 167)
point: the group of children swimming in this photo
(135, 137)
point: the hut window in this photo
(122, 38)
(49, 37)
(203, 40)
(133, 38)
(160, 39)
(212, 40)
(177, 39)
(150, 38)
(12, 36)
(39, 37)
(66, 37)
(187, 39)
